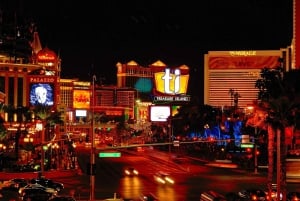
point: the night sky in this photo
(92, 36)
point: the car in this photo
(22, 191)
(131, 171)
(148, 197)
(293, 196)
(62, 198)
(14, 184)
(163, 178)
(253, 194)
(24, 168)
(30, 166)
(48, 183)
(36, 194)
(212, 196)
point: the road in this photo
(191, 179)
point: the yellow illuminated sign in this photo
(171, 83)
(81, 99)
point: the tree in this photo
(279, 96)
(49, 118)
(23, 116)
(234, 97)
(193, 119)
(47, 114)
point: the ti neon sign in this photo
(167, 78)
(171, 83)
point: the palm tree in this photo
(280, 98)
(234, 98)
(23, 115)
(231, 92)
(47, 115)
(49, 118)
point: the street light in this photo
(2, 146)
(170, 129)
(40, 127)
(27, 140)
(255, 151)
(54, 155)
(92, 162)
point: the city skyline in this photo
(92, 39)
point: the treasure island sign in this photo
(170, 86)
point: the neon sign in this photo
(171, 84)
(170, 87)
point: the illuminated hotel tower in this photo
(239, 70)
(296, 34)
(141, 78)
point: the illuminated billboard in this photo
(42, 90)
(171, 86)
(171, 83)
(81, 99)
(41, 94)
(159, 113)
(80, 113)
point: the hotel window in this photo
(20, 91)
(11, 94)
(2, 84)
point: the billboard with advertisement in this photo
(170, 86)
(159, 113)
(42, 90)
(80, 113)
(247, 61)
(81, 99)
(41, 94)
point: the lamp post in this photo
(40, 127)
(278, 163)
(2, 147)
(170, 132)
(54, 155)
(92, 162)
(255, 151)
(27, 140)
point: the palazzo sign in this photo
(170, 86)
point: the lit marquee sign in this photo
(81, 99)
(42, 90)
(171, 86)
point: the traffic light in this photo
(88, 169)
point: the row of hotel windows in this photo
(11, 88)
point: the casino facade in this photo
(133, 93)
(237, 70)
